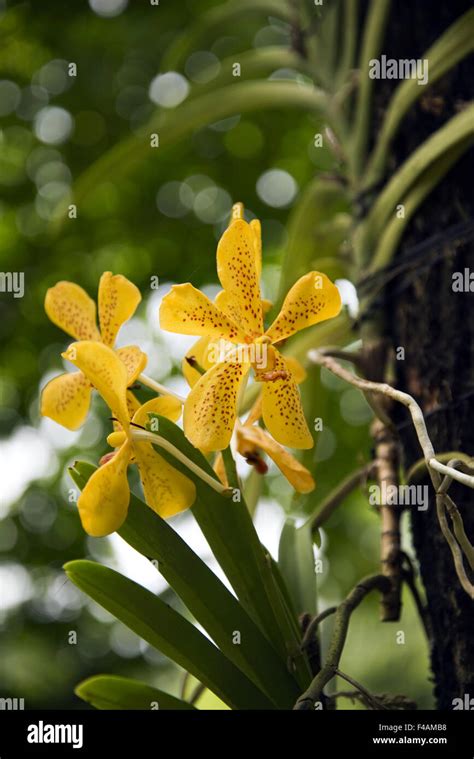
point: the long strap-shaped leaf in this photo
(321, 200)
(373, 36)
(296, 562)
(224, 16)
(206, 597)
(350, 22)
(177, 124)
(393, 232)
(231, 535)
(161, 626)
(457, 130)
(254, 64)
(229, 530)
(455, 44)
(113, 692)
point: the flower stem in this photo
(152, 437)
(149, 382)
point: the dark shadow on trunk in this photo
(435, 326)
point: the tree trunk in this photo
(435, 326)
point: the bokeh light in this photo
(108, 8)
(53, 125)
(276, 188)
(10, 95)
(202, 66)
(168, 90)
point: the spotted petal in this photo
(281, 408)
(296, 368)
(133, 404)
(254, 438)
(211, 406)
(256, 229)
(166, 490)
(66, 399)
(206, 352)
(187, 311)
(103, 504)
(135, 361)
(104, 369)
(312, 299)
(118, 300)
(237, 271)
(70, 308)
(165, 405)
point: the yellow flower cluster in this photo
(232, 341)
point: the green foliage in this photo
(457, 133)
(230, 131)
(296, 562)
(112, 692)
(456, 43)
(204, 595)
(164, 628)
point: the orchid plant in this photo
(262, 657)
(194, 467)
(261, 648)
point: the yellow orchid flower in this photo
(252, 439)
(66, 399)
(103, 504)
(236, 317)
(205, 348)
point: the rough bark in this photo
(435, 326)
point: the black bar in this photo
(347, 733)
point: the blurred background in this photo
(164, 221)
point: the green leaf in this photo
(230, 532)
(174, 125)
(372, 42)
(317, 539)
(113, 692)
(393, 233)
(254, 64)
(206, 597)
(296, 563)
(312, 233)
(327, 41)
(253, 491)
(162, 627)
(458, 130)
(350, 25)
(455, 43)
(214, 21)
